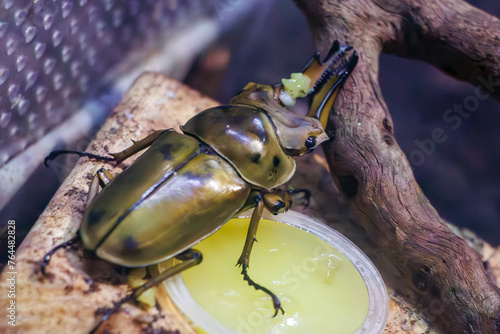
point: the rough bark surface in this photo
(372, 172)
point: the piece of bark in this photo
(373, 173)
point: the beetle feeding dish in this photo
(325, 282)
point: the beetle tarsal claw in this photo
(47, 257)
(276, 301)
(56, 153)
(277, 306)
(110, 311)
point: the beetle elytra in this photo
(187, 185)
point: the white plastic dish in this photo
(378, 309)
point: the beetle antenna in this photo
(46, 258)
(56, 153)
(276, 301)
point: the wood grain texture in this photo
(373, 173)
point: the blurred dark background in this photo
(270, 40)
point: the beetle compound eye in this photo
(310, 142)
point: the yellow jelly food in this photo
(320, 290)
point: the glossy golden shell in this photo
(176, 194)
(246, 137)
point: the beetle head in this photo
(321, 81)
(297, 134)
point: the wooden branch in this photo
(454, 36)
(372, 171)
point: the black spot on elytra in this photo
(349, 185)
(130, 243)
(94, 217)
(255, 157)
(166, 150)
(215, 117)
(276, 161)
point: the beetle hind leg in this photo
(102, 178)
(67, 244)
(54, 154)
(118, 157)
(189, 258)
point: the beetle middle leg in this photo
(274, 203)
(101, 178)
(190, 258)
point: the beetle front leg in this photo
(247, 248)
(252, 232)
(118, 157)
(101, 178)
(189, 258)
(280, 200)
(46, 259)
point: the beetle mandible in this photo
(186, 186)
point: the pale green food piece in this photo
(297, 86)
